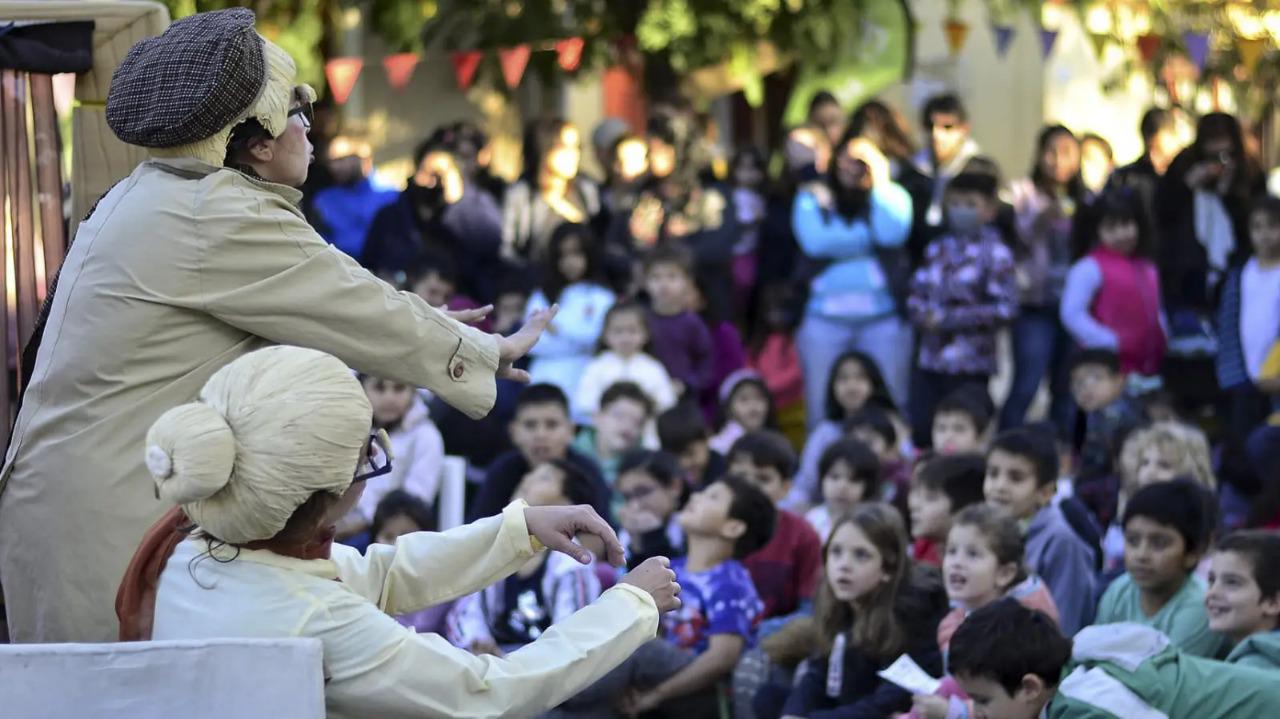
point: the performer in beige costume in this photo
(181, 268)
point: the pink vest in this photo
(1128, 303)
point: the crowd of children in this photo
(839, 489)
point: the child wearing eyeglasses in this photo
(652, 488)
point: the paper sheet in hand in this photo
(907, 674)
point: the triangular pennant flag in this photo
(1197, 47)
(465, 65)
(1004, 37)
(569, 53)
(1148, 45)
(957, 32)
(1099, 41)
(399, 68)
(1251, 49)
(342, 72)
(1047, 39)
(514, 60)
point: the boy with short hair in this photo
(730, 519)
(1098, 387)
(683, 431)
(1166, 526)
(961, 421)
(1015, 664)
(943, 485)
(541, 432)
(1022, 473)
(964, 292)
(1243, 598)
(618, 427)
(434, 278)
(874, 427)
(785, 570)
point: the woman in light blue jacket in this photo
(839, 224)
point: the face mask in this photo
(426, 198)
(963, 220)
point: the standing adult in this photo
(345, 210)
(948, 149)
(840, 224)
(552, 191)
(181, 268)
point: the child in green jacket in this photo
(1243, 599)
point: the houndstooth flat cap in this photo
(195, 79)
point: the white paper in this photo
(907, 674)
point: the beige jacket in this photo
(182, 268)
(374, 667)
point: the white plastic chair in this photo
(452, 499)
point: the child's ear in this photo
(1271, 606)
(1045, 493)
(732, 529)
(1191, 559)
(1032, 691)
(1006, 574)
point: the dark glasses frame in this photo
(374, 442)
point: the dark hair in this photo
(877, 631)
(541, 393)
(875, 419)
(1005, 641)
(513, 280)
(1115, 205)
(771, 414)
(1036, 444)
(431, 263)
(1180, 503)
(1269, 205)
(1261, 549)
(399, 503)
(540, 137)
(879, 389)
(863, 463)
(577, 487)
(660, 465)
(767, 449)
(1075, 186)
(752, 507)
(1004, 536)
(553, 282)
(670, 254)
(959, 476)
(627, 390)
(945, 104)
(680, 427)
(1097, 356)
(437, 141)
(620, 307)
(1153, 121)
(1095, 137)
(885, 127)
(1221, 124)
(820, 98)
(984, 165)
(971, 400)
(752, 154)
(980, 183)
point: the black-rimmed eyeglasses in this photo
(374, 449)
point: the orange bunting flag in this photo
(569, 53)
(1251, 49)
(399, 68)
(342, 72)
(1147, 46)
(957, 32)
(465, 64)
(514, 60)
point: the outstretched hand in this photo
(468, 317)
(557, 526)
(518, 345)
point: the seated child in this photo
(401, 513)
(703, 639)
(1098, 386)
(547, 588)
(417, 448)
(850, 474)
(1015, 664)
(745, 406)
(785, 570)
(1022, 478)
(1166, 528)
(983, 563)
(681, 340)
(624, 355)
(943, 486)
(618, 427)
(1243, 599)
(874, 606)
(875, 428)
(683, 432)
(541, 432)
(652, 488)
(434, 278)
(962, 421)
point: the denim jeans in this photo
(822, 340)
(1041, 348)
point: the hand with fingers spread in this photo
(518, 345)
(655, 577)
(468, 317)
(556, 527)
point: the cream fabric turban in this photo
(269, 430)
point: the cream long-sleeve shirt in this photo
(374, 667)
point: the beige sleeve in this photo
(266, 271)
(423, 569)
(378, 668)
